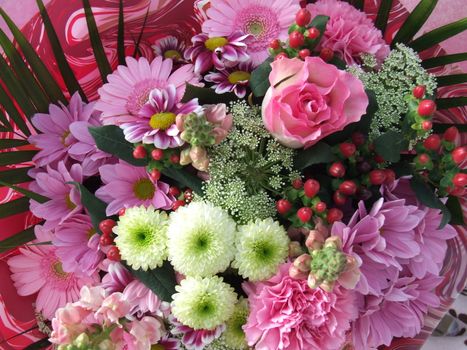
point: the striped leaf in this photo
(438, 35)
(121, 34)
(443, 60)
(445, 80)
(450, 102)
(14, 207)
(383, 15)
(8, 158)
(17, 240)
(15, 176)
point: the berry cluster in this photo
(107, 238)
(158, 159)
(181, 198)
(420, 112)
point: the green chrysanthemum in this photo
(261, 246)
(203, 303)
(234, 336)
(142, 237)
(201, 239)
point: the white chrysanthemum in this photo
(203, 303)
(261, 246)
(234, 336)
(201, 239)
(142, 237)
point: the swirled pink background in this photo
(181, 18)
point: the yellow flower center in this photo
(238, 76)
(144, 189)
(173, 54)
(69, 203)
(214, 43)
(57, 270)
(64, 137)
(157, 347)
(162, 120)
(91, 232)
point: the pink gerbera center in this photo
(262, 23)
(140, 94)
(53, 273)
(144, 189)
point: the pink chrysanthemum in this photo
(56, 138)
(128, 89)
(349, 31)
(38, 270)
(233, 79)
(64, 197)
(77, 245)
(195, 339)
(127, 186)
(218, 52)
(170, 47)
(264, 20)
(117, 277)
(156, 119)
(285, 313)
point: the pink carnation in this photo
(287, 314)
(349, 31)
(309, 100)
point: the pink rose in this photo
(309, 100)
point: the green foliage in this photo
(259, 80)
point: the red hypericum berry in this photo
(423, 158)
(426, 108)
(311, 188)
(347, 149)
(188, 194)
(105, 240)
(174, 191)
(358, 138)
(377, 177)
(157, 154)
(155, 174)
(337, 169)
(339, 198)
(459, 154)
(280, 56)
(427, 125)
(304, 53)
(419, 91)
(334, 214)
(283, 206)
(121, 212)
(175, 158)
(296, 39)
(460, 180)
(113, 254)
(348, 187)
(178, 204)
(304, 214)
(432, 142)
(105, 226)
(326, 54)
(303, 17)
(275, 44)
(390, 176)
(320, 207)
(313, 33)
(297, 183)
(450, 134)
(139, 152)
(378, 159)
(456, 191)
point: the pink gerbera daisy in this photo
(156, 122)
(128, 186)
(233, 79)
(264, 20)
(64, 197)
(128, 89)
(77, 245)
(38, 269)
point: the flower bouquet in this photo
(271, 179)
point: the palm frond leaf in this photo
(17, 240)
(446, 80)
(450, 102)
(121, 35)
(383, 15)
(443, 60)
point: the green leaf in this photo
(383, 15)
(13, 207)
(160, 280)
(16, 157)
(443, 60)
(13, 113)
(17, 239)
(38, 345)
(121, 34)
(427, 197)
(259, 80)
(65, 70)
(457, 214)
(96, 43)
(185, 178)
(15, 176)
(110, 139)
(52, 89)
(140, 36)
(438, 35)
(453, 79)
(390, 145)
(32, 195)
(11, 143)
(415, 21)
(94, 206)
(206, 95)
(319, 22)
(319, 153)
(450, 102)
(358, 4)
